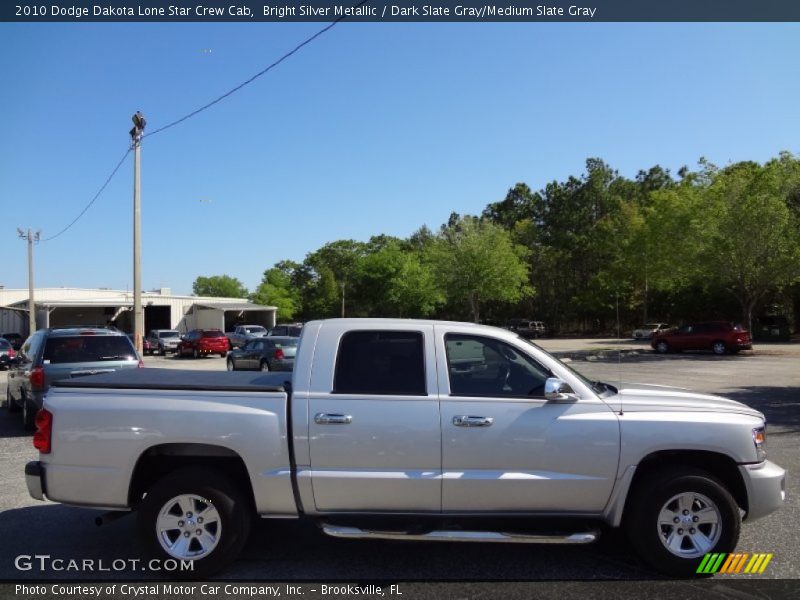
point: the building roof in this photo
(237, 306)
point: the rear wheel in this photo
(223, 354)
(28, 415)
(195, 353)
(264, 365)
(230, 365)
(662, 347)
(196, 515)
(10, 404)
(719, 348)
(678, 516)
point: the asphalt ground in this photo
(290, 551)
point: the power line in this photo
(96, 196)
(257, 75)
(204, 107)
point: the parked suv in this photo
(202, 342)
(286, 329)
(164, 340)
(527, 329)
(721, 337)
(51, 354)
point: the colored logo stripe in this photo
(733, 563)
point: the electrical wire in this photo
(256, 76)
(96, 196)
(205, 107)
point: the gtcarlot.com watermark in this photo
(45, 563)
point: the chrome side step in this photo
(461, 536)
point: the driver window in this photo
(481, 366)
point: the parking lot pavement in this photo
(292, 551)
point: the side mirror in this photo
(558, 390)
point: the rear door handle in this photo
(332, 419)
(472, 421)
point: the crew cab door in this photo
(373, 412)
(505, 447)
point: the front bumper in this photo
(766, 488)
(34, 478)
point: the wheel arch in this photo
(719, 465)
(158, 461)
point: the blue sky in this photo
(373, 128)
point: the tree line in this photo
(584, 255)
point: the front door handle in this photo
(332, 419)
(472, 421)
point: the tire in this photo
(29, 411)
(174, 506)
(662, 347)
(195, 353)
(264, 366)
(719, 348)
(223, 354)
(230, 365)
(11, 405)
(692, 496)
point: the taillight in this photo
(37, 379)
(11, 353)
(44, 431)
(279, 355)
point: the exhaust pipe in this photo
(110, 517)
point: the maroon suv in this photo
(201, 342)
(720, 337)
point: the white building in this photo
(61, 307)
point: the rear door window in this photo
(380, 363)
(88, 348)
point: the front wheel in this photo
(231, 366)
(264, 365)
(719, 348)
(662, 347)
(196, 515)
(676, 517)
(195, 353)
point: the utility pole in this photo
(343, 284)
(31, 237)
(138, 314)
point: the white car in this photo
(648, 330)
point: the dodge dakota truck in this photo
(410, 430)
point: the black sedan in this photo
(264, 354)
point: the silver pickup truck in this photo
(402, 429)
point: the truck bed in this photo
(178, 379)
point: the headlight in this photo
(760, 441)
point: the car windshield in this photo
(213, 334)
(257, 329)
(169, 334)
(599, 388)
(86, 348)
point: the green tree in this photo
(219, 286)
(276, 289)
(753, 241)
(395, 281)
(478, 262)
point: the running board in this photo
(461, 536)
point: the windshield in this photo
(599, 388)
(169, 334)
(255, 329)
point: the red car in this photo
(200, 342)
(721, 337)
